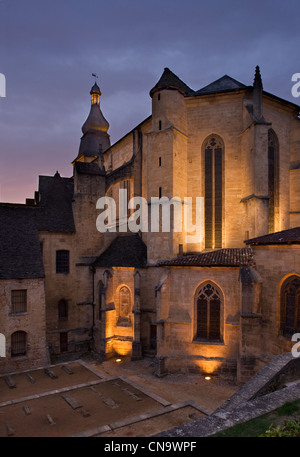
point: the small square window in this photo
(18, 301)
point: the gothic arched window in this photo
(18, 343)
(290, 306)
(213, 191)
(124, 302)
(273, 178)
(208, 301)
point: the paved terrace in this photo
(87, 399)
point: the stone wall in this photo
(177, 344)
(274, 264)
(75, 288)
(295, 197)
(33, 322)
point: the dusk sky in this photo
(49, 50)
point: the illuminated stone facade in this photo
(212, 304)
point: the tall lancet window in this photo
(213, 191)
(273, 178)
(208, 304)
(124, 307)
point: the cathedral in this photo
(104, 261)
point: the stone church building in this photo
(222, 301)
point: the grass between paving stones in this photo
(256, 427)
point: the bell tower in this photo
(89, 177)
(95, 137)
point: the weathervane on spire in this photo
(95, 76)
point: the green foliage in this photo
(290, 428)
(269, 424)
(288, 408)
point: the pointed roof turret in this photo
(169, 80)
(95, 128)
(95, 88)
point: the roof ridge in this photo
(222, 84)
(291, 235)
(220, 257)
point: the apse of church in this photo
(212, 301)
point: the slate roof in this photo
(20, 250)
(169, 80)
(224, 84)
(124, 251)
(233, 257)
(289, 236)
(95, 88)
(87, 168)
(56, 195)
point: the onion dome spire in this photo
(96, 120)
(95, 128)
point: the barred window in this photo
(18, 301)
(18, 343)
(62, 261)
